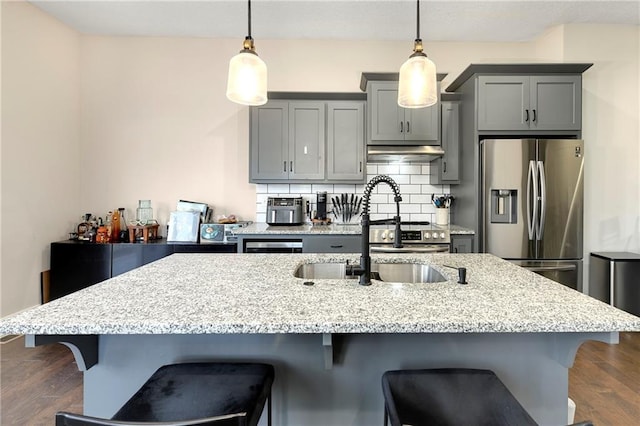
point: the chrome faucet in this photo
(364, 269)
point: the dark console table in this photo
(78, 264)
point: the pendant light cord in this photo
(418, 20)
(249, 1)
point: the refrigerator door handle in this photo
(564, 268)
(532, 212)
(543, 201)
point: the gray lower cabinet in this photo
(521, 102)
(462, 243)
(307, 141)
(390, 122)
(446, 169)
(332, 244)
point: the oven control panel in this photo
(422, 236)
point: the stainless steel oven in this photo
(416, 237)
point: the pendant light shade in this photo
(247, 81)
(418, 86)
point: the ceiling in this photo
(454, 20)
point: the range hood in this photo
(403, 153)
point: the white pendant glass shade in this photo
(418, 86)
(247, 83)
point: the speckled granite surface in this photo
(253, 293)
(263, 228)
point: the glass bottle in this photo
(124, 231)
(115, 227)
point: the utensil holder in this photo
(442, 216)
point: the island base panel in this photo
(306, 393)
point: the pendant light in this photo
(418, 85)
(247, 82)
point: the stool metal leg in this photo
(386, 415)
(269, 409)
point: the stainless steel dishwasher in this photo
(272, 246)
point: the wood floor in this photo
(37, 382)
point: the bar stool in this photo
(450, 396)
(220, 394)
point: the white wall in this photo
(156, 123)
(611, 129)
(40, 147)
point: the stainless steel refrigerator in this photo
(532, 205)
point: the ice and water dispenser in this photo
(504, 206)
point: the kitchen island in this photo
(331, 341)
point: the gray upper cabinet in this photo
(345, 141)
(447, 168)
(307, 141)
(520, 102)
(390, 122)
(270, 141)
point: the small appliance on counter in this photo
(285, 211)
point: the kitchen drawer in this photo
(332, 244)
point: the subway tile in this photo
(261, 198)
(261, 207)
(300, 188)
(420, 217)
(431, 189)
(380, 198)
(410, 189)
(372, 169)
(383, 188)
(360, 189)
(420, 179)
(388, 169)
(420, 199)
(410, 169)
(315, 188)
(380, 216)
(338, 189)
(262, 188)
(261, 217)
(428, 208)
(387, 208)
(426, 169)
(409, 208)
(401, 179)
(373, 208)
(278, 188)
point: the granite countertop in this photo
(333, 229)
(257, 293)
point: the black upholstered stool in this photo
(221, 394)
(450, 396)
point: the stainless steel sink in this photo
(386, 272)
(327, 271)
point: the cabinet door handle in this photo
(336, 246)
(526, 119)
(408, 131)
(361, 167)
(285, 167)
(291, 166)
(444, 167)
(534, 115)
(402, 127)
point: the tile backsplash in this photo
(412, 178)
